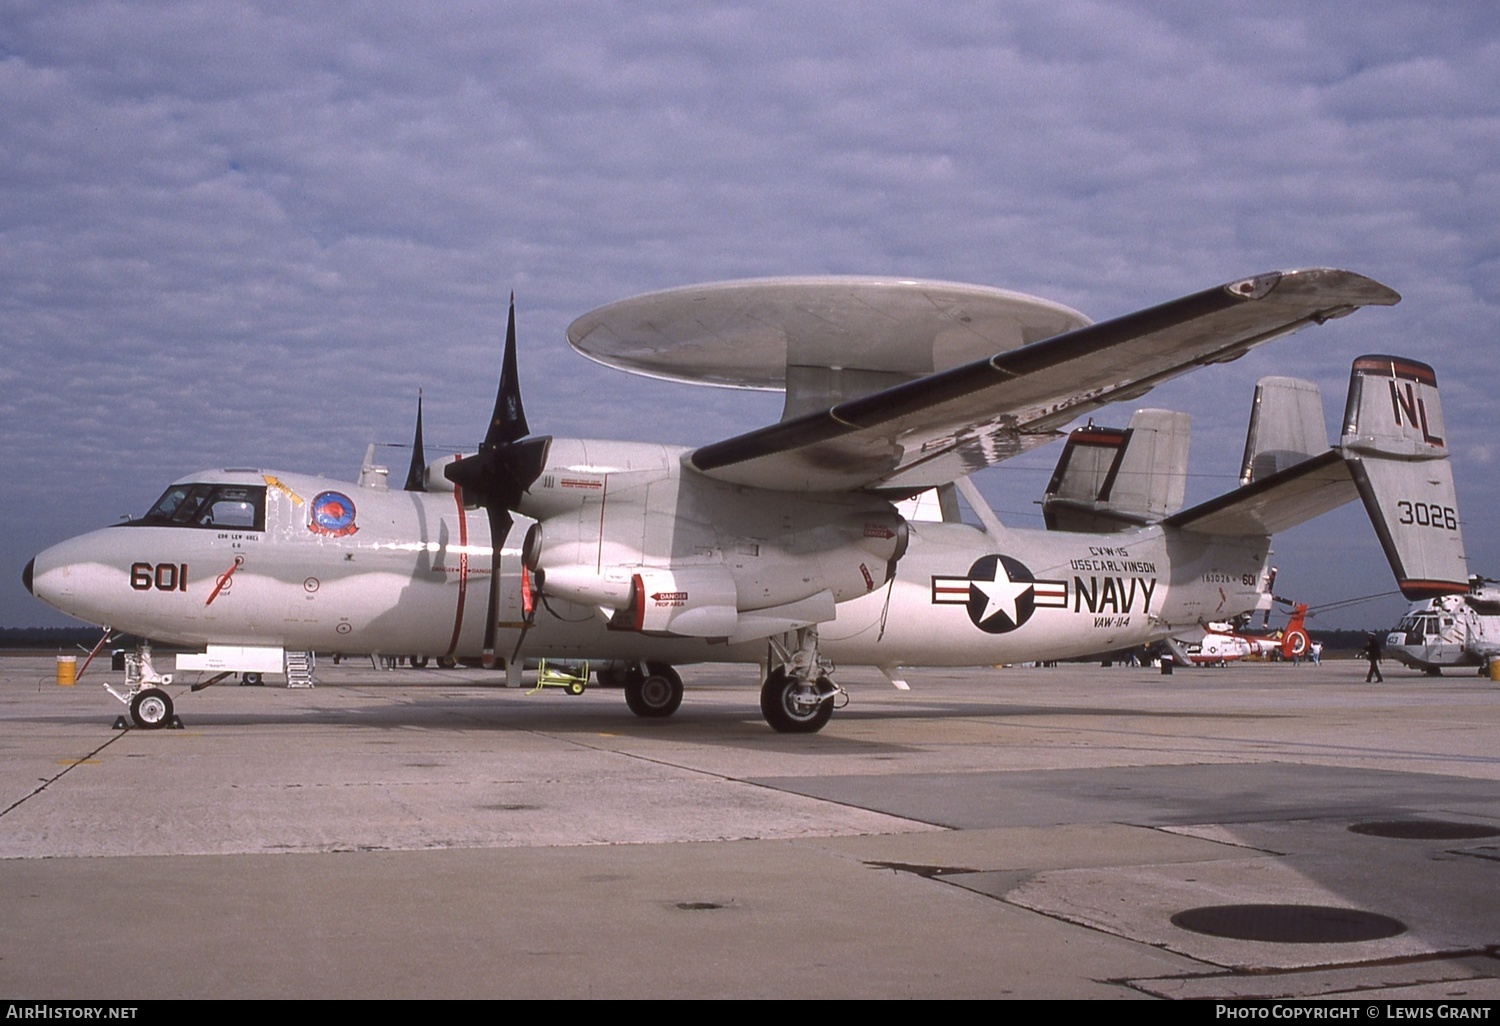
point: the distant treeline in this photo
(64, 639)
(1341, 641)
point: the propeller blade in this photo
(508, 422)
(500, 523)
(418, 464)
(501, 472)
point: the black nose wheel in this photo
(151, 709)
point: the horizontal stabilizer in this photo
(1275, 503)
(1395, 444)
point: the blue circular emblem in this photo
(333, 513)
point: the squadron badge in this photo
(333, 514)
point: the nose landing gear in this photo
(150, 706)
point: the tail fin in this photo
(1294, 639)
(1286, 427)
(1288, 475)
(1392, 455)
(1112, 480)
(1395, 447)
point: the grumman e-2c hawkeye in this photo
(784, 547)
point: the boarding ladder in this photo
(299, 668)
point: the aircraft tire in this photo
(417, 662)
(445, 663)
(786, 710)
(656, 694)
(151, 709)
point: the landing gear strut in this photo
(798, 696)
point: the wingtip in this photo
(1346, 288)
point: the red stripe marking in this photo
(1109, 439)
(1397, 368)
(1432, 589)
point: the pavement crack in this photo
(59, 775)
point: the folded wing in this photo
(934, 429)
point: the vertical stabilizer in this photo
(1396, 448)
(1286, 427)
(1110, 480)
(1153, 474)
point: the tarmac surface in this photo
(1018, 832)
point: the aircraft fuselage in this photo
(307, 564)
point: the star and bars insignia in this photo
(999, 593)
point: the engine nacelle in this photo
(656, 551)
(433, 478)
(858, 555)
(693, 601)
(697, 601)
(610, 590)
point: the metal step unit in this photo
(299, 669)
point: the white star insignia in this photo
(1000, 594)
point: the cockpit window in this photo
(210, 506)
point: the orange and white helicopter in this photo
(1227, 643)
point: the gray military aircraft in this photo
(784, 547)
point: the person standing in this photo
(1372, 653)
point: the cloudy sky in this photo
(245, 234)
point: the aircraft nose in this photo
(26, 574)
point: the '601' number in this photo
(1428, 514)
(161, 576)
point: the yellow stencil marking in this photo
(276, 483)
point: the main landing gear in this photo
(798, 696)
(791, 706)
